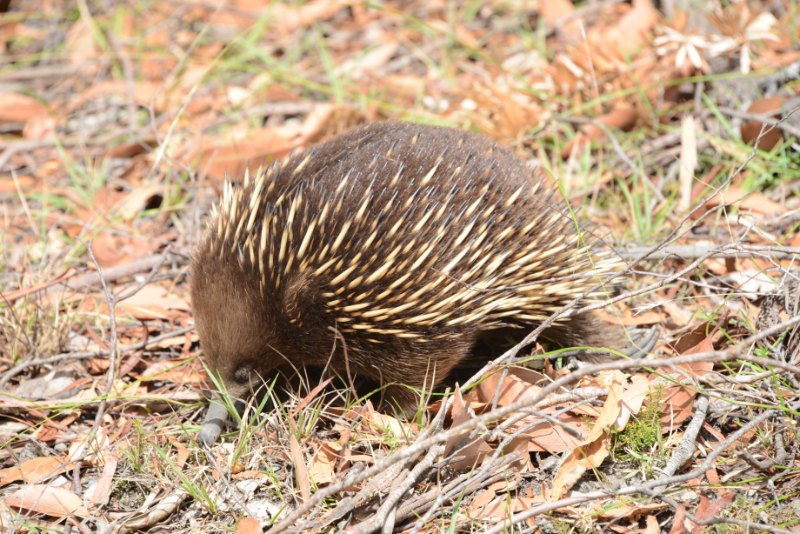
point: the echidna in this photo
(408, 240)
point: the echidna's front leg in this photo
(215, 420)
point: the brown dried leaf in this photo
(628, 510)
(476, 450)
(15, 107)
(34, 470)
(652, 525)
(80, 45)
(506, 389)
(245, 149)
(174, 371)
(609, 415)
(633, 29)
(132, 203)
(629, 319)
(632, 399)
(154, 302)
(111, 249)
(596, 447)
(501, 507)
(623, 116)
(249, 525)
(323, 464)
(707, 509)
(546, 437)
(39, 126)
(386, 423)
(56, 502)
(293, 18)
(91, 449)
(555, 10)
(521, 381)
(305, 401)
(754, 201)
(678, 401)
(371, 61)
(102, 490)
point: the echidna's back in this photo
(409, 230)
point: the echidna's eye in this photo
(242, 375)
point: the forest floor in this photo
(675, 129)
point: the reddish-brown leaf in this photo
(470, 454)
(15, 107)
(623, 117)
(34, 470)
(249, 525)
(43, 499)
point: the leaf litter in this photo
(120, 124)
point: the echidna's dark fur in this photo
(408, 239)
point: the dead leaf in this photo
(39, 126)
(623, 117)
(154, 302)
(707, 510)
(633, 30)
(294, 17)
(130, 149)
(15, 107)
(469, 454)
(678, 400)
(247, 149)
(554, 11)
(628, 319)
(386, 423)
(632, 399)
(502, 507)
(43, 499)
(34, 470)
(547, 437)
(754, 201)
(597, 446)
(678, 522)
(132, 203)
(521, 381)
(8, 185)
(177, 372)
(80, 44)
(305, 401)
(323, 464)
(652, 525)
(771, 107)
(249, 525)
(92, 449)
(505, 389)
(371, 61)
(102, 490)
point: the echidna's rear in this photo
(407, 239)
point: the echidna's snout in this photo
(234, 335)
